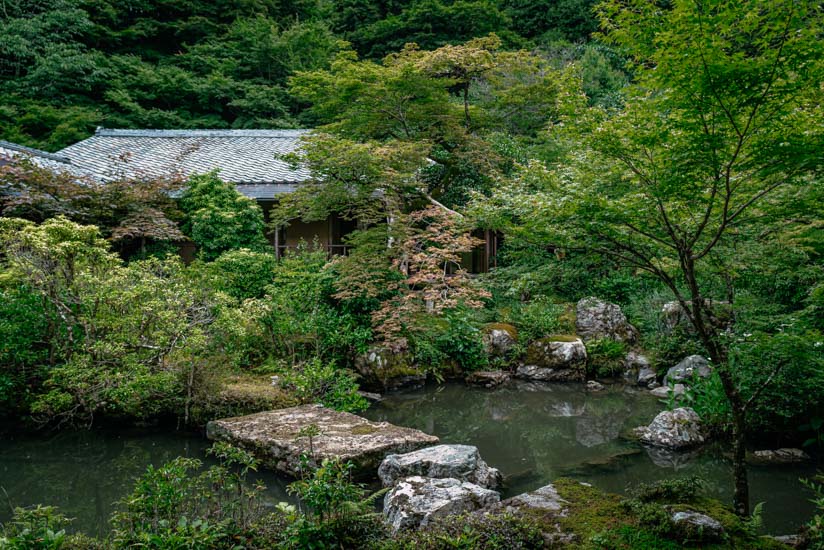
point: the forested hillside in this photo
(67, 66)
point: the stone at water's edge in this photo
(417, 501)
(593, 385)
(381, 369)
(274, 438)
(597, 319)
(687, 368)
(462, 462)
(546, 503)
(676, 429)
(664, 391)
(545, 498)
(555, 360)
(697, 526)
(785, 455)
(488, 379)
(499, 338)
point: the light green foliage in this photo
(176, 506)
(114, 333)
(37, 528)
(218, 218)
(325, 383)
(242, 273)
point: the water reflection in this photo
(535, 432)
(85, 473)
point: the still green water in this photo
(533, 433)
(85, 473)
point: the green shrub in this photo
(814, 530)
(243, 273)
(36, 528)
(605, 357)
(175, 506)
(317, 382)
(685, 489)
(451, 340)
(218, 218)
(339, 514)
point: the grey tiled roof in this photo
(10, 151)
(244, 157)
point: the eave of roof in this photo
(31, 151)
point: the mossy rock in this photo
(509, 329)
(383, 370)
(560, 338)
(604, 520)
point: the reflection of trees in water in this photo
(525, 429)
(535, 433)
(84, 473)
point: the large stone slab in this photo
(279, 438)
(417, 501)
(461, 462)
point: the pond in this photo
(533, 433)
(85, 473)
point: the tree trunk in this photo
(741, 495)
(702, 318)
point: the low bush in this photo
(605, 357)
(317, 382)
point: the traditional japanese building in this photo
(251, 159)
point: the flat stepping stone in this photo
(279, 438)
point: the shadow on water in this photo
(535, 433)
(86, 473)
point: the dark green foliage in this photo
(684, 489)
(243, 273)
(23, 353)
(605, 357)
(176, 504)
(569, 19)
(814, 531)
(430, 24)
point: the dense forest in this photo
(67, 67)
(662, 160)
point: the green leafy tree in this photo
(722, 132)
(218, 218)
